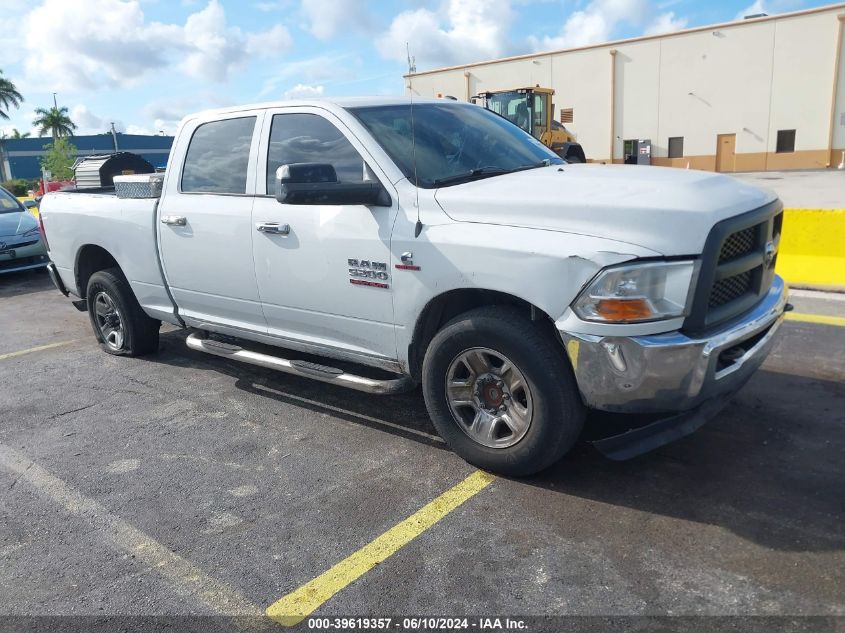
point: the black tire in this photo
(557, 410)
(138, 332)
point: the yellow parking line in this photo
(297, 605)
(815, 318)
(38, 349)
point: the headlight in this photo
(638, 292)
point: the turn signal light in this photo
(624, 309)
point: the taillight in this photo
(43, 232)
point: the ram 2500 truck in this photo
(440, 243)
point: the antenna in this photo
(412, 68)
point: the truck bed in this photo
(124, 227)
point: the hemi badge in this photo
(407, 267)
(372, 284)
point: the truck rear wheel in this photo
(501, 392)
(120, 324)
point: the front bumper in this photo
(15, 257)
(674, 374)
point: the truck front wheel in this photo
(500, 391)
(120, 324)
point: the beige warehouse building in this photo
(763, 93)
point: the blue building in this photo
(19, 158)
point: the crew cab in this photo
(435, 242)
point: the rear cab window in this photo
(217, 160)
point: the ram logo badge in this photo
(363, 272)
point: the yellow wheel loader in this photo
(532, 110)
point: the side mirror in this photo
(30, 204)
(316, 183)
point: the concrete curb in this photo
(812, 250)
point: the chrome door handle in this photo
(273, 228)
(174, 220)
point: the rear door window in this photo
(217, 160)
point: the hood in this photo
(16, 222)
(667, 210)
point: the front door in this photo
(726, 152)
(205, 224)
(310, 274)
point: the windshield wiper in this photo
(486, 172)
(472, 174)
(543, 163)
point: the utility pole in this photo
(114, 135)
(55, 104)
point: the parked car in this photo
(21, 246)
(443, 244)
(30, 204)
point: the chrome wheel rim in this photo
(489, 397)
(109, 321)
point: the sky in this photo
(144, 64)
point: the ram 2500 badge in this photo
(447, 247)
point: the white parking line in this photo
(185, 577)
(38, 349)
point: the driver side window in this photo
(309, 138)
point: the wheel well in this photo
(90, 259)
(447, 306)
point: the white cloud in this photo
(462, 31)
(595, 23)
(313, 70)
(666, 23)
(276, 40)
(87, 122)
(80, 45)
(759, 6)
(168, 127)
(139, 129)
(86, 45)
(305, 91)
(327, 18)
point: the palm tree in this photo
(55, 120)
(9, 95)
(16, 134)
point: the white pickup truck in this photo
(438, 243)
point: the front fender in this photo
(544, 268)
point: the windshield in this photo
(8, 202)
(513, 106)
(454, 142)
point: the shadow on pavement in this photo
(768, 468)
(25, 282)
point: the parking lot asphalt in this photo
(802, 189)
(184, 484)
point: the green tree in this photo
(59, 159)
(16, 134)
(9, 96)
(54, 120)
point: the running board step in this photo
(302, 368)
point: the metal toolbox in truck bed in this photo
(139, 186)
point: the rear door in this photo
(307, 277)
(205, 223)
